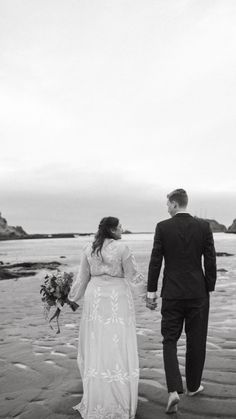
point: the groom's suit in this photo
(183, 241)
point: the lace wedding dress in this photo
(107, 352)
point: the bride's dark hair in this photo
(104, 232)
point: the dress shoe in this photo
(172, 404)
(193, 393)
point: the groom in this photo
(182, 241)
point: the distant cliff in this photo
(232, 228)
(215, 226)
(10, 232)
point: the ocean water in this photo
(68, 251)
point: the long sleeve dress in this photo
(107, 351)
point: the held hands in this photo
(151, 303)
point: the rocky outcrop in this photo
(215, 226)
(20, 270)
(10, 232)
(232, 228)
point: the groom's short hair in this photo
(180, 196)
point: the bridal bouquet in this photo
(55, 291)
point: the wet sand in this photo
(39, 378)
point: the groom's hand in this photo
(151, 303)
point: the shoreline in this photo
(25, 269)
(76, 235)
(61, 236)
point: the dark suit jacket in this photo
(183, 241)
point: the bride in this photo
(107, 352)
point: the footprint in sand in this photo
(40, 402)
(152, 383)
(70, 345)
(49, 361)
(57, 353)
(76, 395)
(143, 399)
(43, 347)
(71, 325)
(21, 366)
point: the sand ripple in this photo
(39, 376)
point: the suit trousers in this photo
(194, 314)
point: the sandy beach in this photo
(39, 378)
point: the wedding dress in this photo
(107, 350)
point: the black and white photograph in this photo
(117, 209)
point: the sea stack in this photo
(232, 228)
(10, 232)
(215, 226)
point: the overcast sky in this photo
(106, 106)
